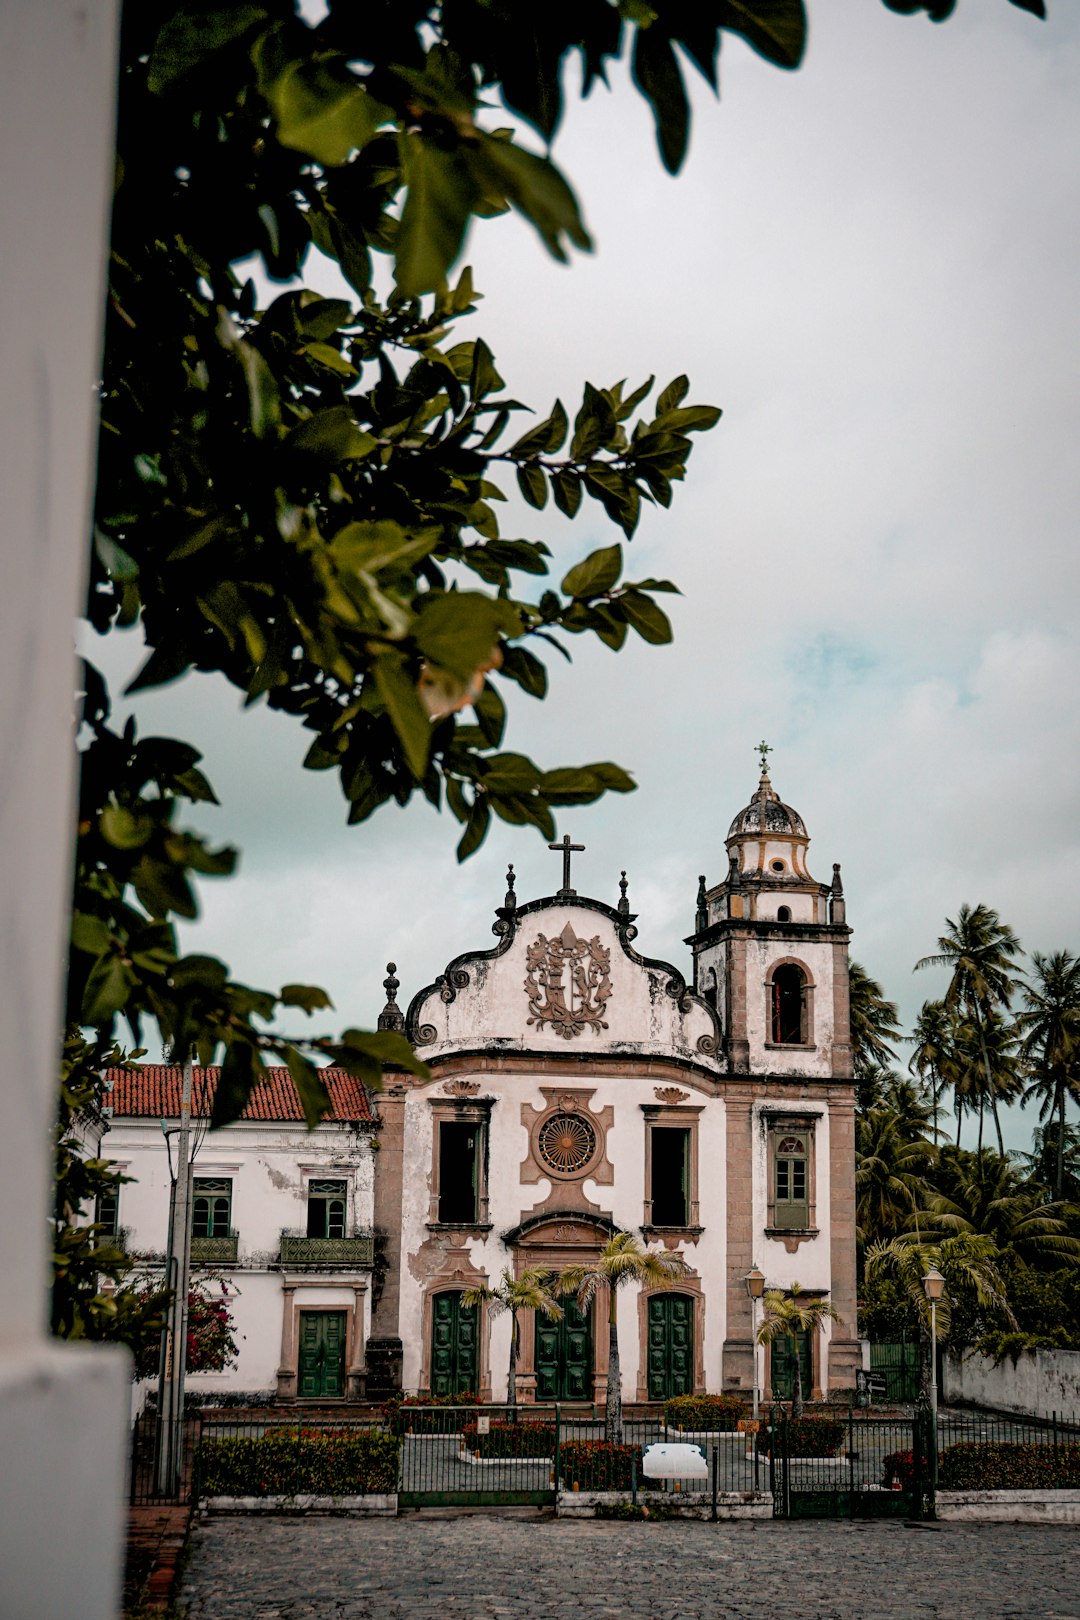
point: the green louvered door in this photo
(321, 1373)
(454, 1369)
(671, 1346)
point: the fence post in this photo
(556, 1459)
(716, 1479)
(851, 1461)
(787, 1465)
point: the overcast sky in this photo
(871, 265)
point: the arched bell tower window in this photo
(708, 988)
(789, 1006)
(783, 914)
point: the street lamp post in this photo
(933, 1287)
(755, 1287)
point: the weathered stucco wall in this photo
(1041, 1383)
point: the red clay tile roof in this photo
(152, 1090)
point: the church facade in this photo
(578, 1088)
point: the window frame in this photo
(806, 1043)
(778, 1216)
(666, 1117)
(214, 1189)
(326, 1198)
(474, 1111)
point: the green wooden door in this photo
(321, 1373)
(671, 1346)
(782, 1367)
(564, 1356)
(454, 1369)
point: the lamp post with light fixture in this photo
(933, 1287)
(755, 1287)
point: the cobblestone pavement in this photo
(535, 1568)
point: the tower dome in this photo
(767, 813)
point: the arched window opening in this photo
(783, 914)
(708, 988)
(789, 1005)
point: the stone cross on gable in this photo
(764, 750)
(567, 848)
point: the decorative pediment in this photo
(568, 983)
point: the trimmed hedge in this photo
(424, 1414)
(898, 1469)
(291, 1462)
(593, 1465)
(510, 1439)
(812, 1437)
(696, 1412)
(1008, 1466)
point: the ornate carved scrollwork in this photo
(707, 1045)
(426, 1034)
(670, 1094)
(567, 981)
(461, 1088)
(452, 982)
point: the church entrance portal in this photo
(564, 1356)
(671, 1346)
(454, 1367)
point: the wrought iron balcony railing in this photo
(297, 1249)
(219, 1250)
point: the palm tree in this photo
(531, 1291)
(787, 1316)
(890, 1173)
(622, 1260)
(980, 950)
(1042, 1162)
(982, 1050)
(874, 1024)
(932, 1058)
(969, 1264)
(980, 1193)
(1050, 1041)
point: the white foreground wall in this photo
(63, 1408)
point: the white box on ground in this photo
(674, 1461)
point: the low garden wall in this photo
(1040, 1383)
(1010, 1507)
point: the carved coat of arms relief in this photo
(567, 981)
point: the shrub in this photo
(291, 1461)
(811, 1437)
(898, 1469)
(704, 1412)
(427, 1414)
(1008, 1466)
(511, 1439)
(594, 1465)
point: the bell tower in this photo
(770, 947)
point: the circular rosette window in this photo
(566, 1144)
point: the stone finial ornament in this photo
(510, 903)
(624, 904)
(391, 1016)
(837, 885)
(702, 918)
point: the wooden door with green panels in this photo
(564, 1356)
(321, 1370)
(671, 1346)
(454, 1337)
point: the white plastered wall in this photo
(817, 958)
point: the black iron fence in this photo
(836, 1463)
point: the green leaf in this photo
(651, 622)
(310, 1087)
(366, 1052)
(483, 377)
(475, 828)
(190, 35)
(596, 575)
(522, 666)
(323, 113)
(320, 318)
(369, 547)
(331, 358)
(657, 75)
(90, 934)
(407, 714)
(307, 996)
(107, 989)
(593, 425)
(459, 630)
(534, 187)
(332, 434)
(439, 201)
(673, 395)
(566, 487)
(239, 1071)
(691, 419)
(777, 28)
(123, 829)
(490, 712)
(533, 484)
